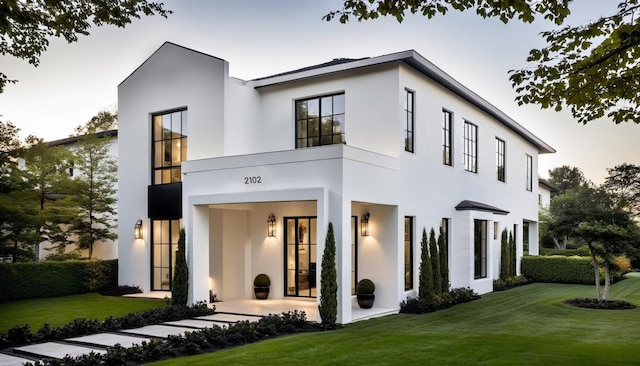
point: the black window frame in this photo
(447, 138)
(480, 244)
(501, 167)
(528, 173)
(408, 243)
(303, 139)
(175, 170)
(470, 149)
(409, 129)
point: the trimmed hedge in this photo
(50, 279)
(583, 251)
(558, 269)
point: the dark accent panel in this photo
(477, 206)
(165, 201)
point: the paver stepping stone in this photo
(7, 360)
(110, 339)
(194, 323)
(57, 350)
(231, 318)
(158, 330)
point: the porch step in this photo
(230, 317)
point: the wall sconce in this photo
(137, 230)
(364, 225)
(271, 226)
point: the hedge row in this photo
(558, 269)
(583, 251)
(49, 279)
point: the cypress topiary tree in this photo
(425, 289)
(443, 251)
(328, 307)
(180, 284)
(504, 255)
(435, 263)
(512, 255)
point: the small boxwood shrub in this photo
(447, 299)
(509, 283)
(365, 287)
(583, 251)
(558, 269)
(29, 280)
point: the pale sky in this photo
(260, 38)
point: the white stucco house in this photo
(255, 171)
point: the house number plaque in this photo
(253, 180)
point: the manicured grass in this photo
(526, 325)
(58, 311)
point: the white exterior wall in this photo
(237, 131)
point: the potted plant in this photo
(364, 293)
(261, 286)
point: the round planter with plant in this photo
(364, 293)
(261, 286)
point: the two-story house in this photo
(381, 147)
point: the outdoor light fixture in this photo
(271, 226)
(137, 230)
(364, 225)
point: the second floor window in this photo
(470, 150)
(446, 137)
(500, 153)
(169, 146)
(409, 124)
(320, 121)
(528, 172)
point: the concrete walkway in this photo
(98, 343)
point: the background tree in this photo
(10, 151)
(328, 307)
(180, 284)
(94, 190)
(444, 260)
(567, 177)
(435, 263)
(27, 26)
(623, 183)
(591, 68)
(425, 278)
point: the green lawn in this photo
(58, 311)
(527, 325)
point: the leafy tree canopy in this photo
(566, 177)
(592, 68)
(26, 26)
(624, 183)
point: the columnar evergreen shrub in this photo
(504, 255)
(435, 263)
(444, 261)
(328, 307)
(180, 284)
(512, 255)
(425, 289)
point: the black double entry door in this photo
(300, 257)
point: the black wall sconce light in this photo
(364, 225)
(137, 230)
(271, 225)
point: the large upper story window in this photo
(169, 146)
(409, 124)
(528, 172)
(470, 150)
(500, 154)
(447, 118)
(320, 121)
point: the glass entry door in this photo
(300, 256)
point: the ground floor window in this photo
(480, 249)
(408, 253)
(354, 253)
(525, 237)
(300, 256)
(164, 244)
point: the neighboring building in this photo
(101, 250)
(545, 191)
(391, 140)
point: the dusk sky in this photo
(260, 38)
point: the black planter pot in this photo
(365, 301)
(261, 292)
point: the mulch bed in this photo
(604, 305)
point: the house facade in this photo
(380, 147)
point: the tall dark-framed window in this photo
(479, 249)
(528, 172)
(320, 121)
(525, 237)
(169, 146)
(500, 160)
(447, 118)
(409, 121)
(408, 253)
(354, 253)
(470, 150)
(164, 244)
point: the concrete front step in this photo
(158, 331)
(230, 318)
(8, 360)
(110, 340)
(56, 350)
